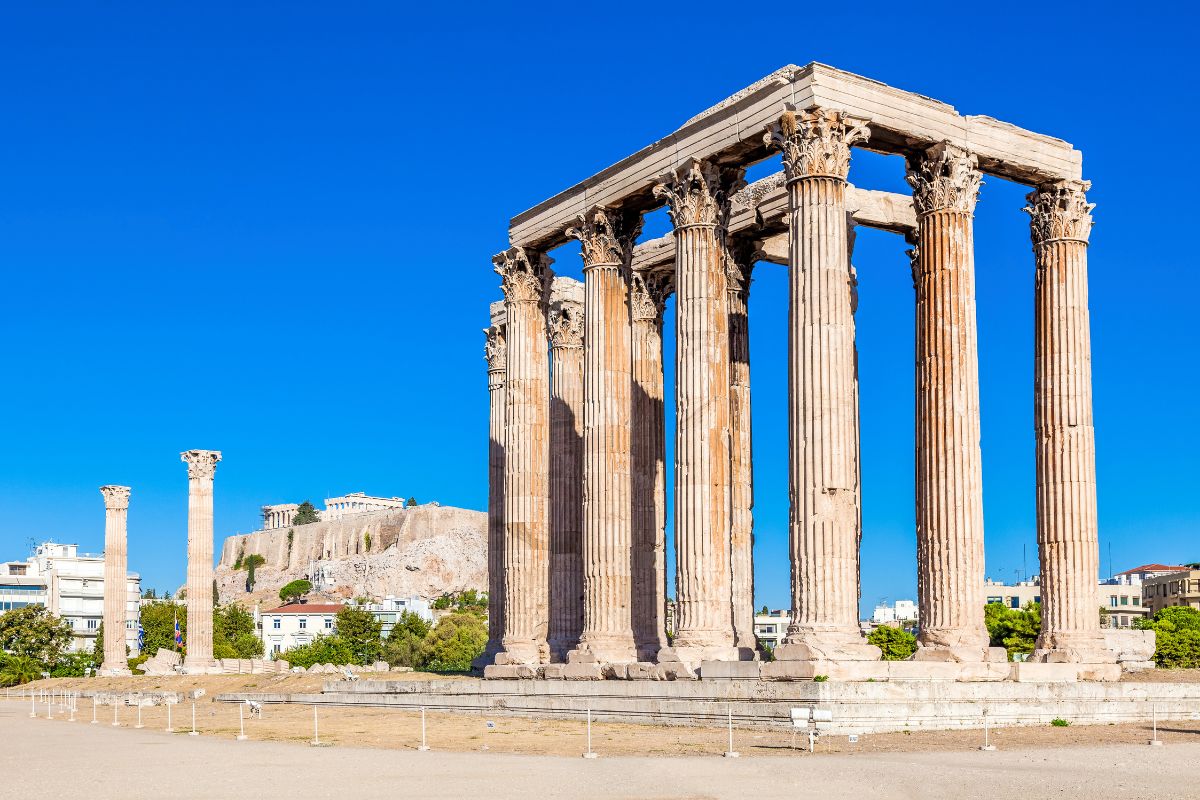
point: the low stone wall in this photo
(856, 707)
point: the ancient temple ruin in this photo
(575, 376)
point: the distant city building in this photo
(1179, 587)
(771, 627)
(389, 609)
(1145, 572)
(295, 624)
(1120, 596)
(899, 611)
(71, 585)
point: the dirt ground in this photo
(389, 729)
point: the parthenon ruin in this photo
(575, 376)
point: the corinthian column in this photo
(648, 457)
(202, 466)
(566, 472)
(949, 480)
(607, 237)
(525, 278)
(1068, 540)
(495, 355)
(697, 196)
(822, 391)
(116, 590)
(739, 262)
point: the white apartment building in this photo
(899, 611)
(1120, 596)
(295, 624)
(71, 585)
(771, 627)
(389, 609)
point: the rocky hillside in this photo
(427, 551)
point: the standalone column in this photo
(495, 355)
(697, 195)
(606, 237)
(116, 600)
(1068, 540)
(949, 480)
(202, 466)
(739, 262)
(526, 282)
(648, 465)
(566, 477)
(822, 391)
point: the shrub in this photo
(322, 650)
(895, 644)
(456, 641)
(1176, 636)
(1016, 630)
(1059, 722)
(820, 678)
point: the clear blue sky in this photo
(266, 229)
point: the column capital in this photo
(201, 463)
(524, 274)
(495, 350)
(739, 257)
(699, 193)
(606, 236)
(115, 497)
(944, 178)
(1060, 211)
(816, 142)
(648, 294)
(566, 325)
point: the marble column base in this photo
(603, 651)
(965, 654)
(826, 647)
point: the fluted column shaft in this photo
(648, 458)
(698, 201)
(606, 237)
(949, 482)
(116, 589)
(822, 390)
(202, 466)
(739, 264)
(1067, 529)
(525, 282)
(566, 478)
(495, 352)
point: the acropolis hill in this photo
(427, 550)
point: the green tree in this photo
(1016, 630)
(405, 645)
(456, 641)
(410, 502)
(75, 665)
(359, 629)
(896, 644)
(295, 590)
(16, 669)
(1176, 637)
(251, 563)
(158, 625)
(305, 514)
(34, 632)
(322, 650)
(233, 633)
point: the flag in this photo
(178, 634)
(141, 638)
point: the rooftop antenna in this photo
(1024, 565)
(1110, 566)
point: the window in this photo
(303, 623)
(329, 623)
(276, 623)
(278, 648)
(1124, 600)
(1112, 601)
(92, 624)
(1014, 602)
(995, 599)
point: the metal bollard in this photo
(423, 746)
(589, 753)
(730, 753)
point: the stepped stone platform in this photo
(857, 707)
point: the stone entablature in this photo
(358, 503)
(804, 218)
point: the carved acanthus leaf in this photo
(699, 193)
(816, 142)
(945, 178)
(201, 463)
(648, 292)
(1060, 210)
(606, 236)
(524, 275)
(566, 325)
(495, 349)
(739, 257)
(115, 497)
